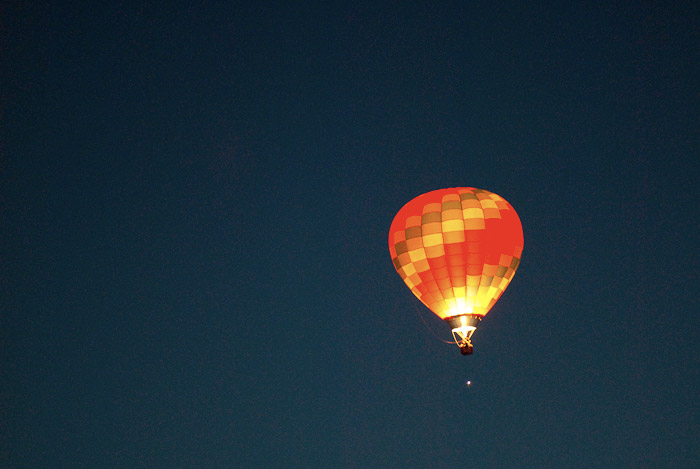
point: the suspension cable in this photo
(420, 315)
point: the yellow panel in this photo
(409, 270)
(453, 225)
(482, 296)
(493, 291)
(432, 240)
(468, 213)
(488, 203)
(417, 255)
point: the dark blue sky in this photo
(195, 208)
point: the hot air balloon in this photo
(457, 249)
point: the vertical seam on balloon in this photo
(448, 258)
(440, 298)
(427, 273)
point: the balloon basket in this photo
(463, 326)
(463, 335)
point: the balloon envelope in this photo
(457, 249)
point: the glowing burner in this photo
(462, 329)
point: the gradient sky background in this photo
(196, 200)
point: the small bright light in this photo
(469, 383)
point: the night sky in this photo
(195, 206)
